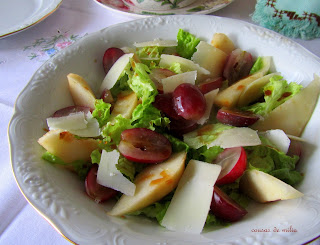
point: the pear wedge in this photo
(80, 91)
(293, 115)
(152, 184)
(263, 187)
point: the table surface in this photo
(21, 55)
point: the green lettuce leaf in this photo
(140, 82)
(150, 52)
(233, 191)
(291, 177)
(276, 92)
(112, 131)
(80, 167)
(187, 44)
(176, 68)
(204, 153)
(121, 85)
(211, 153)
(126, 167)
(147, 116)
(154, 211)
(177, 144)
(101, 112)
(95, 156)
(212, 220)
(257, 66)
(274, 162)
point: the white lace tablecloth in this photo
(20, 56)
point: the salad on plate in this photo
(184, 132)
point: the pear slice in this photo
(152, 184)
(80, 91)
(125, 104)
(66, 146)
(223, 42)
(230, 96)
(254, 90)
(293, 115)
(263, 187)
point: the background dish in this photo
(19, 15)
(59, 196)
(200, 7)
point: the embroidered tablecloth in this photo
(20, 56)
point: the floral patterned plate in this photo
(199, 7)
(19, 15)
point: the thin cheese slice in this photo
(166, 60)
(92, 129)
(108, 175)
(80, 124)
(115, 72)
(170, 83)
(211, 58)
(235, 137)
(72, 121)
(158, 43)
(209, 104)
(191, 201)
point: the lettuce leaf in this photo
(233, 191)
(112, 131)
(274, 162)
(101, 112)
(121, 85)
(147, 116)
(126, 167)
(187, 44)
(176, 68)
(212, 220)
(95, 156)
(177, 144)
(276, 92)
(150, 52)
(140, 82)
(257, 65)
(154, 211)
(204, 153)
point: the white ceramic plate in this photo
(18, 15)
(200, 7)
(60, 197)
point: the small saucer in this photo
(200, 7)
